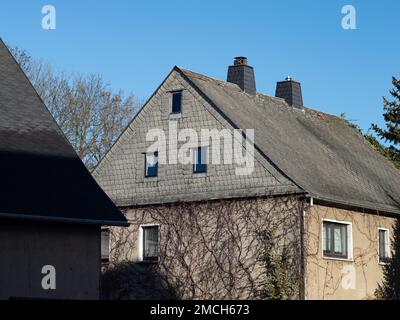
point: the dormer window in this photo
(151, 164)
(200, 160)
(176, 102)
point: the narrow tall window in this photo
(384, 247)
(150, 243)
(336, 238)
(176, 102)
(105, 244)
(151, 164)
(200, 160)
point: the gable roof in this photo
(320, 152)
(41, 176)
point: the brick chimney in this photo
(290, 90)
(243, 75)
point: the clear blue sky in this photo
(134, 44)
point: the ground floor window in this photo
(105, 244)
(384, 246)
(336, 239)
(150, 235)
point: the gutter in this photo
(352, 205)
(28, 217)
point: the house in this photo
(317, 198)
(51, 208)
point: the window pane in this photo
(383, 245)
(176, 102)
(105, 244)
(151, 164)
(327, 238)
(150, 243)
(335, 239)
(200, 159)
(343, 234)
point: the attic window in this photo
(200, 160)
(151, 164)
(176, 102)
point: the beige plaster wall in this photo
(356, 278)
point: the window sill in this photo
(177, 115)
(150, 179)
(338, 259)
(383, 263)
(199, 174)
(148, 261)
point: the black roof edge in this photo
(352, 206)
(37, 218)
(299, 193)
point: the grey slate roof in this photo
(320, 152)
(41, 176)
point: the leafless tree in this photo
(88, 111)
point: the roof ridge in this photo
(200, 75)
(260, 94)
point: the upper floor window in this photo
(200, 160)
(336, 240)
(384, 246)
(176, 102)
(151, 164)
(150, 242)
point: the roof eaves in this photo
(355, 204)
(38, 218)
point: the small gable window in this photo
(200, 160)
(384, 247)
(151, 164)
(176, 102)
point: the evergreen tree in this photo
(390, 287)
(391, 133)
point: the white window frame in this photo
(349, 240)
(388, 245)
(170, 100)
(146, 176)
(194, 157)
(105, 229)
(140, 242)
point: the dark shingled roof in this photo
(41, 176)
(319, 152)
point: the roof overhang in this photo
(350, 205)
(38, 218)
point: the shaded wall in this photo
(208, 250)
(73, 250)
